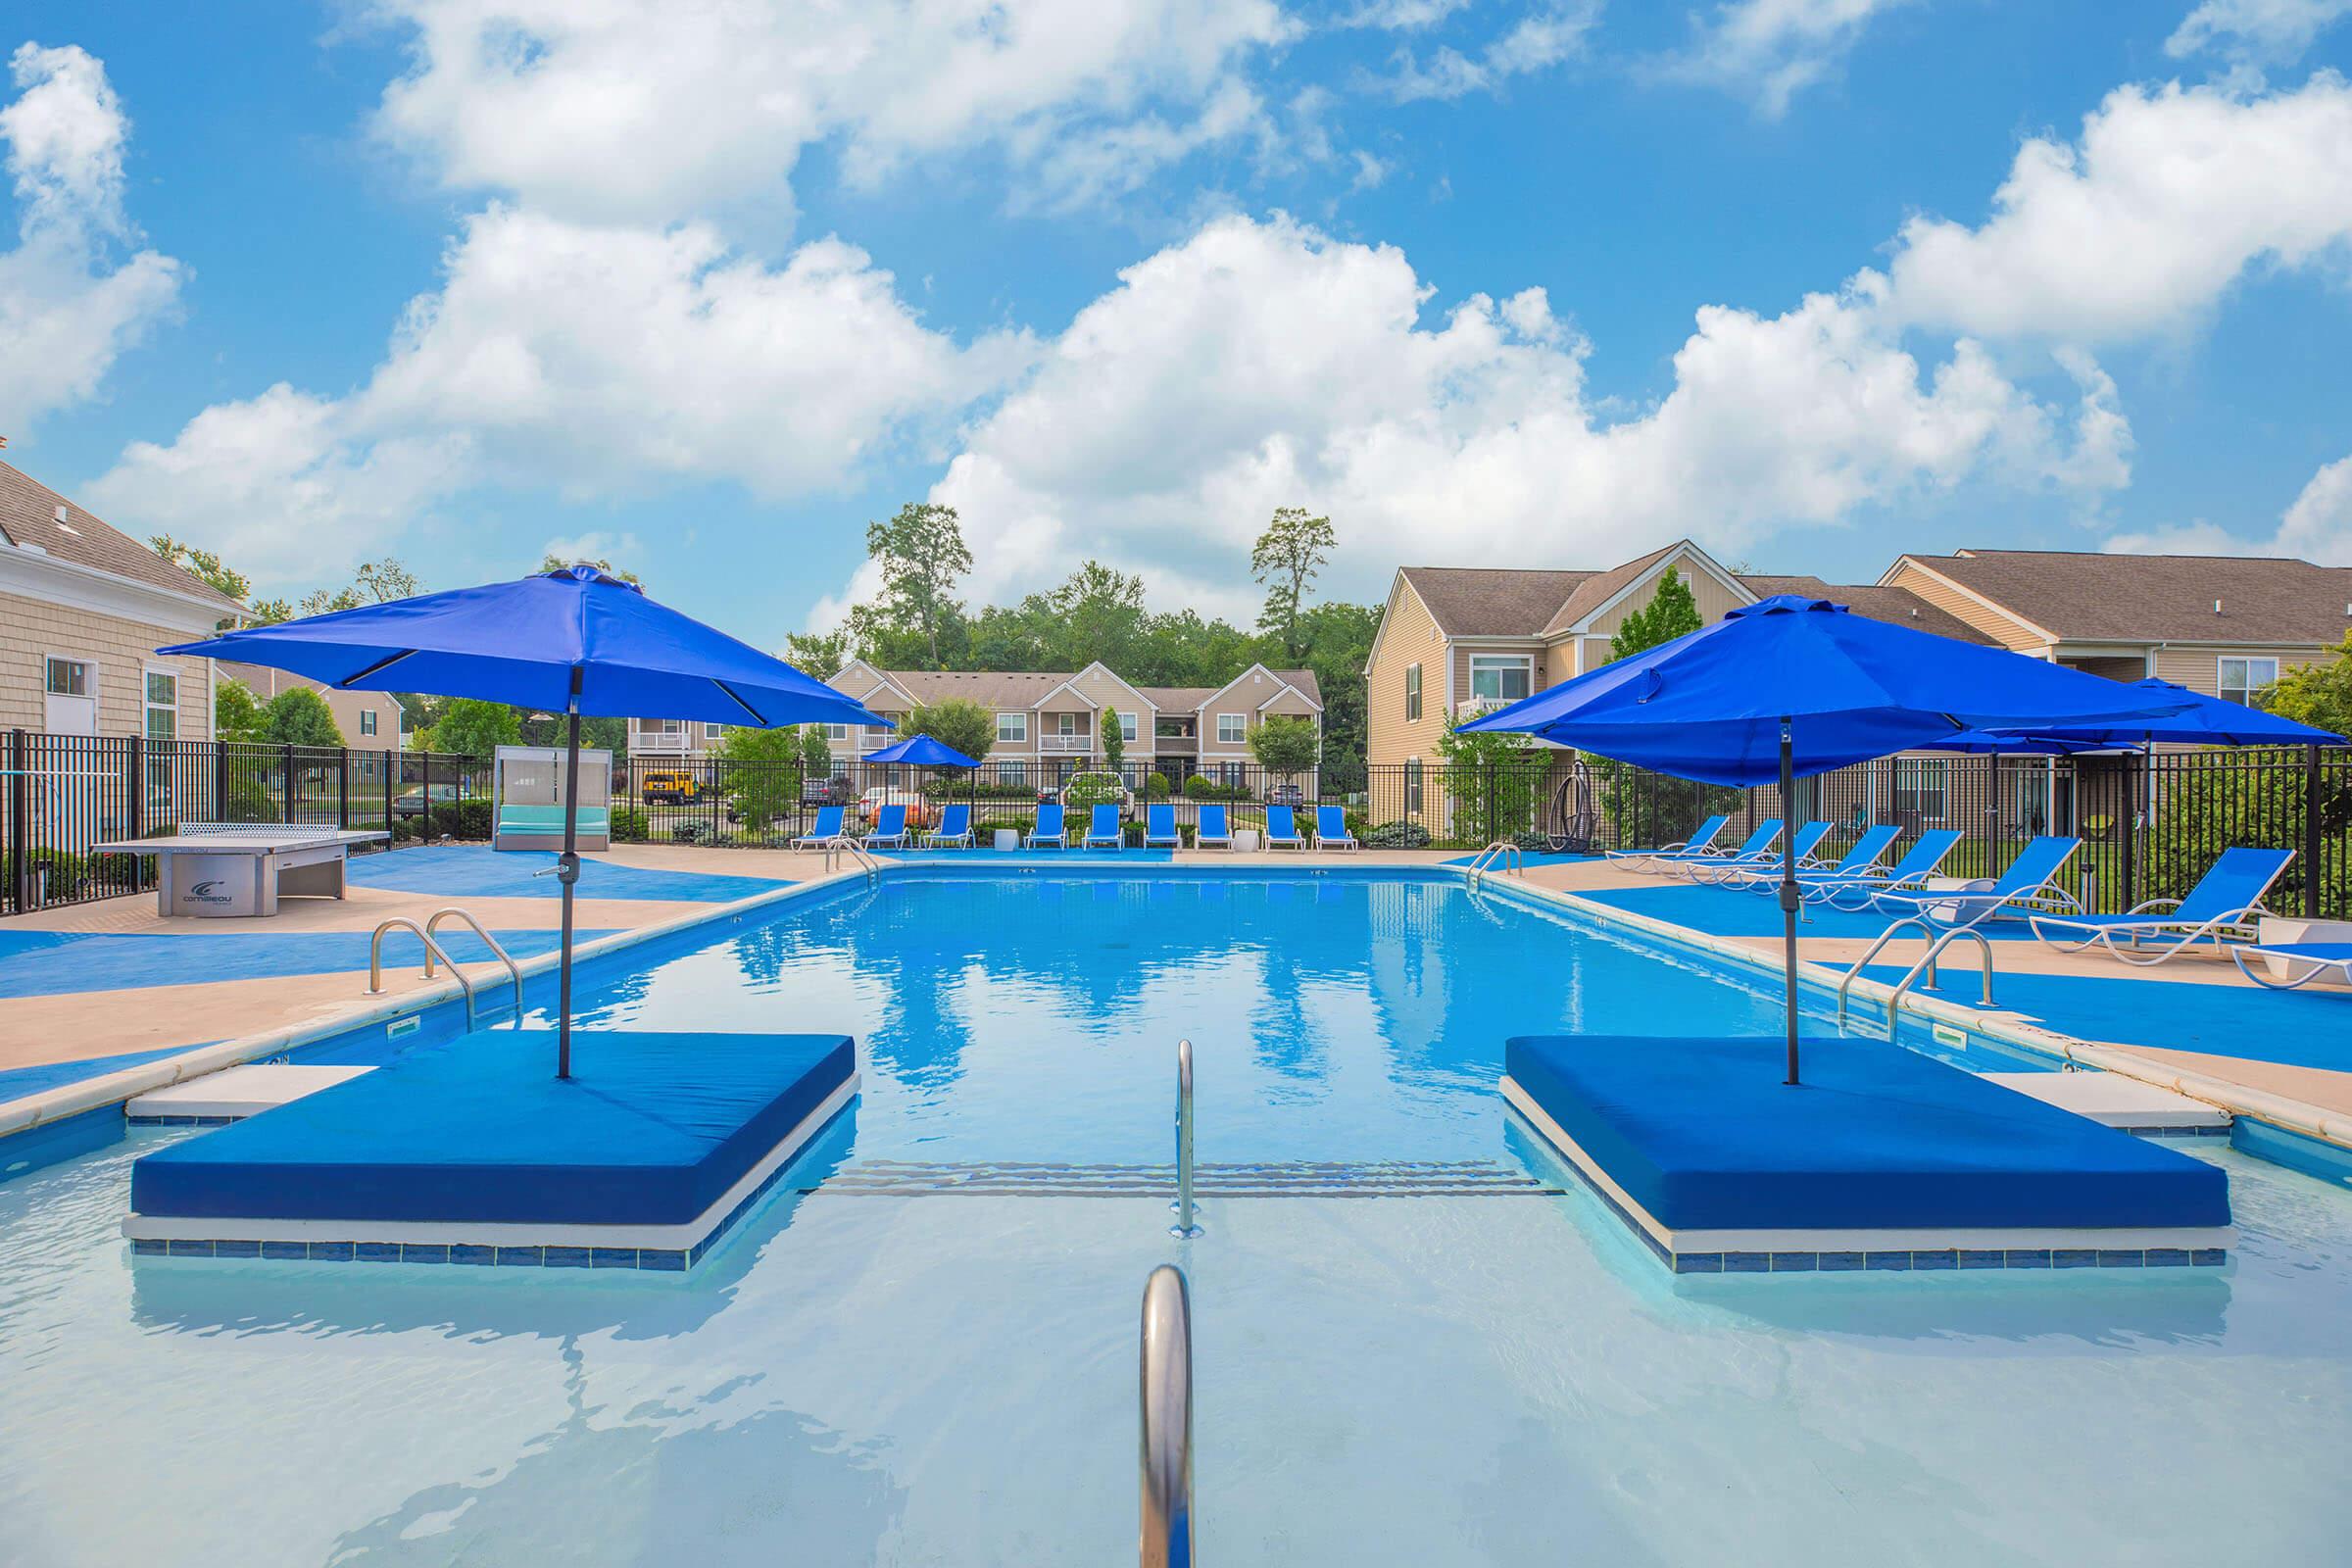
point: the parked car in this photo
(920, 812)
(669, 789)
(410, 801)
(830, 791)
(1285, 795)
(1090, 788)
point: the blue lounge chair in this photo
(890, 829)
(1700, 842)
(2029, 886)
(1760, 848)
(1049, 829)
(827, 829)
(1922, 861)
(2316, 959)
(1159, 826)
(2221, 908)
(1860, 860)
(955, 830)
(1282, 829)
(1331, 829)
(1102, 829)
(1212, 829)
(1807, 840)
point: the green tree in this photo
(1114, 741)
(1285, 747)
(957, 723)
(299, 716)
(1096, 613)
(816, 751)
(471, 727)
(1670, 614)
(202, 563)
(550, 562)
(2319, 695)
(922, 557)
(759, 772)
(236, 716)
(1494, 782)
(817, 654)
(1339, 644)
(1285, 559)
(1651, 808)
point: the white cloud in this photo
(1544, 38)
(1399, 16)
(70, 301)
(2316, 526)
(1770, 50)
(2170, 196)
(2255, 32)
(625, 550)
(577, 358)
(1262, 363)
(653, 110)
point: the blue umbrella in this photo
(2197, 720)
(1792, 686)
(922, 750)
(574, 641)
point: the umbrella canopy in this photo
(922, 750)
(575, 641)
(2198, 721)
(1792, 686)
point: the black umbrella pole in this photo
(567, 872)
(1788, 897)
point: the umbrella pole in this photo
(1788, 897)
(567, 872)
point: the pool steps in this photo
(234, 1094)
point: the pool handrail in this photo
(1164, 1453)
(1503, 854)
(375, 961)
(432, 924)
(1185, 1227)
(1936, 943)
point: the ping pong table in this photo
(215, 870)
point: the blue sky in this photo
(1810, 281)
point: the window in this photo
(367, 722)
(1065, 724)
(1016, 774)
(1012, 729)
(69, 677)
(1127, 729)
(163, 705)
(712, 732)
(663, 726)
(1412, 693)
(837, 732)
(1412, 783)
(2244, 680)
(1919, 789)
(1231, 728)
(1499, 677)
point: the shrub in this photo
(629, 825)
(68, 872)
(1155, 787)
(1198, 788)
(1395, 836)
(250, 802)
(469, 818)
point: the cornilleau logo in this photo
(204, 892)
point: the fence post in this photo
(424, 830)
(343, 790)
(220, 780)
(2311, 833)
(2128, 818)
(286, 780)
(136, 792)
(20, 823)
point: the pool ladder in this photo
(840, 844)
(1503, 854)
(1925, 966)
(1185, 1229)
(1164, 1455)
(434, 951)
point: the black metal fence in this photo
(63, 795)
(2151, 824)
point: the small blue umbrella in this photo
(1790, 687)
(573, 641)
(922, 750)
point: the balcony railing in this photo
(1065, 745)
(650, 743)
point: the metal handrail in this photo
(433, 923)
(1495, 854)
(1184, 1226)
(841, 843)
(375, 960)
(1855, 973)
(1927, 963)
(1164, 1457)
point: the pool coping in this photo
(2278, 1112)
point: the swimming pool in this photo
(883, 1371)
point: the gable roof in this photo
(1599, 587)
(1898, 606)
(28, 519)
(1493, 601)
(2085, 596)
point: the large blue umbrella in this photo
(1790, 687)
(2197, 720)
(574, 641)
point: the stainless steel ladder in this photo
(1503, 854)
(434, 951)
(1925, 966)
(1164, 1455)
(840, 844)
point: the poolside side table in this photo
(1244, 839)
(2272, 930)
(1009, 840)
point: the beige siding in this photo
(346, 707)
(2004, 629)
(1531, 650)
(33, 629)
(1243, 697)
(1559, 665)
(1715, 601)
(1107, 690)
(2199, 669)
(1409, 637)
(1288, 703)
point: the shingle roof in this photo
(2088, 596)
(1493, 601)
(1595, 591)
(28, 518)
(1899, 606)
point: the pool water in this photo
(865, 1377)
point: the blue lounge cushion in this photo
(651, 1130)
(1704, 1135)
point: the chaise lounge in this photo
(2221, 908)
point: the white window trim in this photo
(2252, 686)
(1020, 725)
(87, 662)
(1241, 719)
(1416, 692)
(147, 705)
(1525, 662)
(1130, 731)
